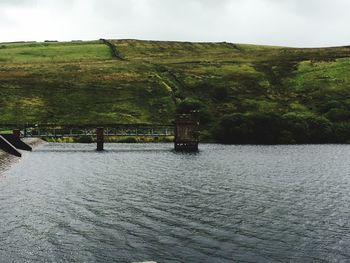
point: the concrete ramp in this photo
(16, 142)
(6, 146)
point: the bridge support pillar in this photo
(100, 139)
(187, 133)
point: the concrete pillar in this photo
(100, 139)
(186, 133)
(17, 133)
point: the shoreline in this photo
(7, 160)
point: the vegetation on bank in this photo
(245, 93)
(271, 128)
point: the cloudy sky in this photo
(299, 23)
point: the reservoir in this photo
(143, 202)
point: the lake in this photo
(139, 202)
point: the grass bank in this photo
(84, 82)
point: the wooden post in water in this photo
(16, 133)
(187, 132)
(100, 139)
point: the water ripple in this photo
(68, 203)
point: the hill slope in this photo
(132, 81)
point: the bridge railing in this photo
(54, 130)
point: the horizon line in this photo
(173, 41)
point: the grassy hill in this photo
(132, 81)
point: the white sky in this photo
(300, 23)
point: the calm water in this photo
(67, 203)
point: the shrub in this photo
(296, 127)
(342, 132)
(85, 139)
(338, 115)
(320, 129)
(306, 128)
(234, 129)
(128, 140)
(271, 128)
(204, 88)
(188, 105)
(220, 93)
(333, 104)
(267, 127)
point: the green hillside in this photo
(132, 81)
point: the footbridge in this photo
(76, 131)
(185, 132)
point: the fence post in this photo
(100, 139)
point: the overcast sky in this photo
(299, 23)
